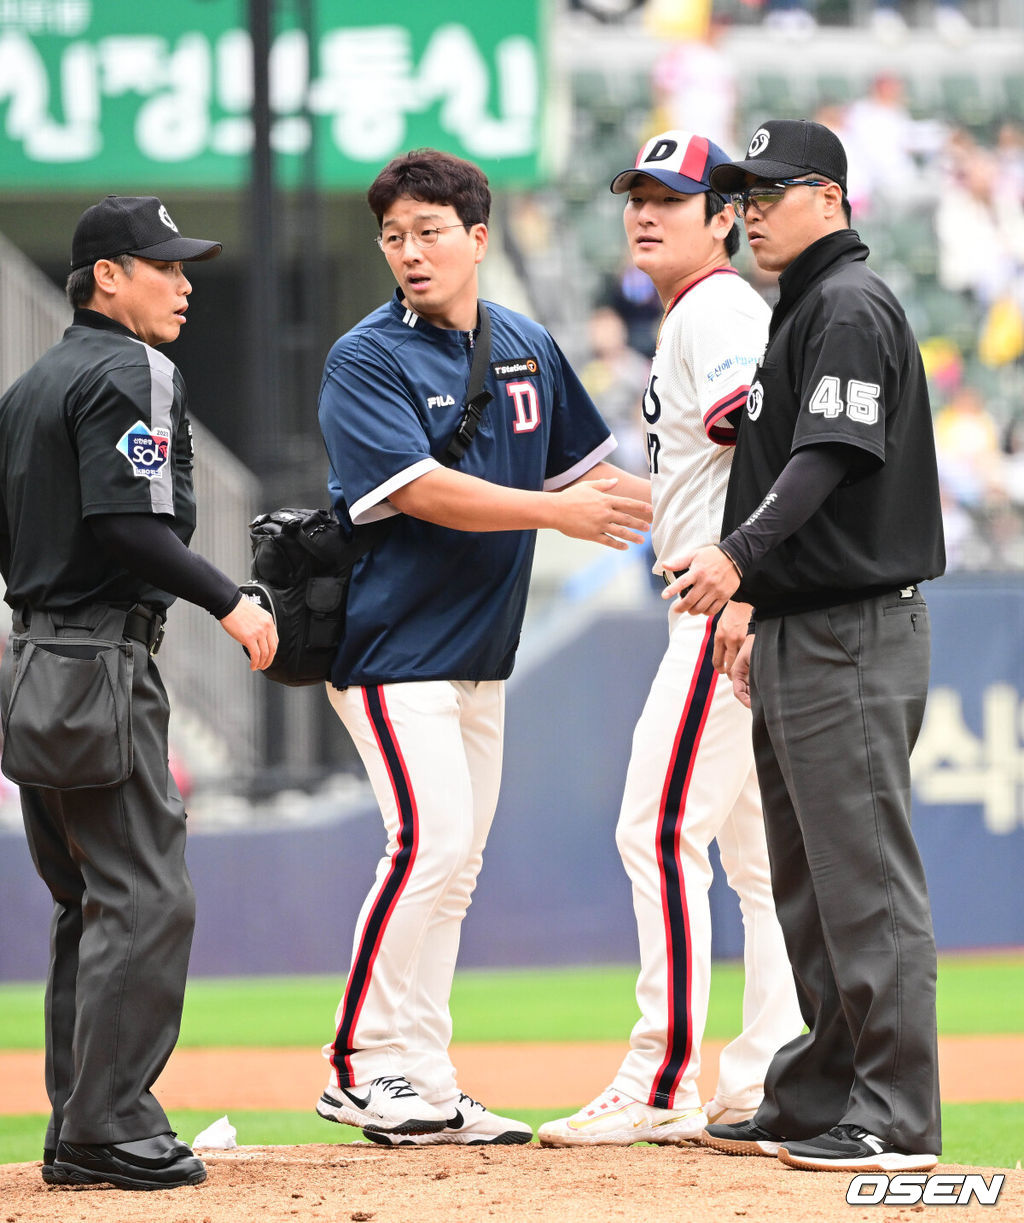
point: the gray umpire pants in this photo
(121, 932)
(838, 697)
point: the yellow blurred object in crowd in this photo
(683, 19)
(1002, 333)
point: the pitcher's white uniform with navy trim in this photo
(432, 627)
(691, 773)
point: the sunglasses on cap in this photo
(763, 195)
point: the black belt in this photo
(145, 624)
(141, 623)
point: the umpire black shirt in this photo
(97, 426)
(841, 365)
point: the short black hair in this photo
(81, 284)
(713, 205)
(435, 178)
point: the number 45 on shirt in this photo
(860, 402)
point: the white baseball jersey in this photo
(708, 348)
(691, 775)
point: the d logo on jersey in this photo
(146, 449)
(518, 375)
(755, 400)
(526, 406)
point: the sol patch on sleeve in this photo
(146, 449)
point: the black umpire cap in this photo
(785, 148)
(134, 225)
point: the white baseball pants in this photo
(432, 751)
(691, 779)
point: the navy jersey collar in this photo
(408, 317)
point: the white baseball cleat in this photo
(721, 1114)
(468, 1123)
(615, 1119)
(388, 1105)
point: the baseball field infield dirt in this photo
(334, 1183)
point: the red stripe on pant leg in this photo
(391, 889)
(679, 1036)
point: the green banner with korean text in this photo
(118, 95)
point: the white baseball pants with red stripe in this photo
(691, 779)
(432, 751)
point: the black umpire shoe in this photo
(852, 1148)
(50, 1176)
(742, 1138)
(160, 1162)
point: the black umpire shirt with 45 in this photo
(97, 426)
(841, 366)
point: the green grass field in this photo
(977, 996)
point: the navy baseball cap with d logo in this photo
(133, 225)
(785, 148)
(679, 160)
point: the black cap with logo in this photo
(785, 148)
(134, 225)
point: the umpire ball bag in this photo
(301, 564)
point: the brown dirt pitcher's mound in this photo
(482, 1185)
(336, 1182)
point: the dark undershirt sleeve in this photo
(801, 488)
(149, 549)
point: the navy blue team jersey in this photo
(430, 602)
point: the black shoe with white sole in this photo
(851, 1148)
(741, 1138)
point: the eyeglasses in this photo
(425, 236)
(763, 195)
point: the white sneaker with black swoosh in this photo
(389, 1105)
(468, 1124)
